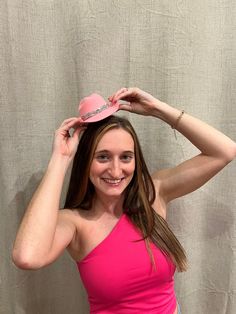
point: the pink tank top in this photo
(120, 279)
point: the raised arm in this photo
(45, 231)
(216, 149)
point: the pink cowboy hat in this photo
(94, 108)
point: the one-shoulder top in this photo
(120, 278)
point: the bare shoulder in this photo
(78, 217)
(91, 229)
(68, 213)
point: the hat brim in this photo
(103, 114)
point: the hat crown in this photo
(91, 103)
(94, 108)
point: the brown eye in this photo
(102, 158)
(127, 158)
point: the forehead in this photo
(116, 139)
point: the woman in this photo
(117, 233)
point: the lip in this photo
(112, 182)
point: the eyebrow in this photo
(105, 151)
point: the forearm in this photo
(37, 229)
(207, 139)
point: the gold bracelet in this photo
(178, 119)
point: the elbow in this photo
(25, 262)
(234, 151)
(230, 154)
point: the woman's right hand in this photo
(65, 144)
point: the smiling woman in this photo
(110, 146)
(115, 179)
(113, 163)
(113, 224)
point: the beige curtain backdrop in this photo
(53, 53)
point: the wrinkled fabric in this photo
(52, 54)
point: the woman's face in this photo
(113, 163)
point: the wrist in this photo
(166, 113)
(59, 162)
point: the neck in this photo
(109, 205)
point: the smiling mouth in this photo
(112, 181)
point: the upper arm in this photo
(64, 234)
(186, 177)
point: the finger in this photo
(67, 125)
(74, 122)
(69, 120)
(78, 130)
(81, 123)
(113, 97)
(126, 94)
(122, 91)
(126, 107)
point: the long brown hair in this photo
(139, 195)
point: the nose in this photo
(115, 169)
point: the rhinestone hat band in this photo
(95, 112)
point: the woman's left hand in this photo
(139, 101)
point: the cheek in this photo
(96, 169)
(133, 166)
(131, 169)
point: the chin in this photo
(111, 191)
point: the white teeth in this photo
(112, 181)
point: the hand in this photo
(64, 143)
(139, 101)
